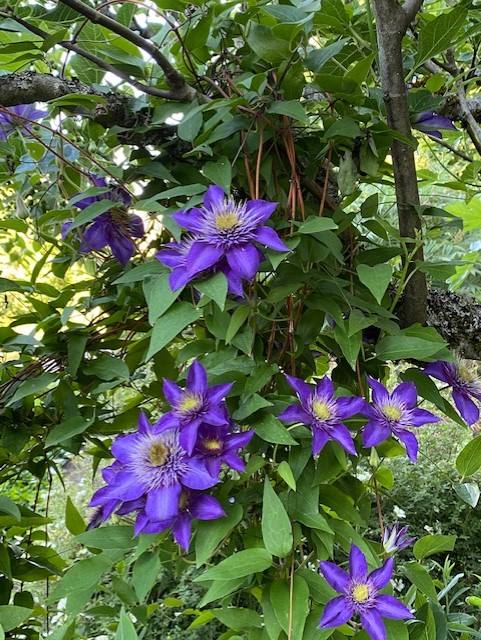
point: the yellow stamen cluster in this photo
(226, 221)
(391, 412)
(188, 403)
(360, 593)
(158, 455)
(212, 445)
(321, 410)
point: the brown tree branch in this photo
(173, 77)
(391, 25)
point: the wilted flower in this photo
(22, 113)
(396, 538)
(430, 122)
(464, 383)
(193, 504)
(360, 595)
(115, 227)
(224, 233)
(323, 413)
(151, 471)
(215, 445)
(196, 404)
(394, 413)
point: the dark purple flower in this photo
(175, 256)
(215, 445)
(193, 504)
(225, 232)
(396, 538)
(430, 122)
(323, 413)
(394, 413)
(115, 227)
(464, 386)
(150, 472)
(20, 114)
(196, 404)
(360, 595)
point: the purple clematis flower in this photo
(396, 538)
(150, 472)
(225, 232)
(115, 227)
(193, 504)
(430, 122)
(360, 595)
(323, 413)
(196, 404)
(464, 384)
(394, 413)
(215, 445)
(10, 122)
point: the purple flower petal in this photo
(197, 378)
(182, 530)
(379, 391)
(303, 390)
(336, 612)
(233, 461)
(319, 440)
(466, 406)
(390, 607)
(295, 413)
(123, 447)
(197, 476)
(325, 388)
(421, 416)
(380, 577)
(188, 436)
(374, 433)
(214, 197)
(172, 392)
(406, 392)
(192, 221)
(336, 577)
(372, 623)
(126, 487)
(342, 435)
(179, 278)
(260, 210)
(135, 226)
(218, 392)
(207, 508)
(269, 238)
(95, 238)
(244, 260)
(122, 247)
(357, 564)
(163, 503)
(238, 440)
(441, 370)
(202, 256)
(349, 406)
(411, 443)
(167, 422)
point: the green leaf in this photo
(316, 59)
(8, 506)
(269, 428)
(238, 318)
(468, 492)
(282, 604)
(126, 629)
(112, 537)
(219, 172)
(33, 386)
(210, 533)
(145, 572)
(438, 34)
(286, 474)
(171, 325)
(263, 42)
(346, 127)
(238, 619)
(404, 347)
(240, 564)
(315, 224)
(91, 212)
(429, 545)
(215, 288)
(84, 575)
(220, 589)
(376, 279)
(66, 430)
(73, 520)
(469, 459)
(159, 296)
(250, 406)
(276, 526)
(107, 368)
(418, 575)
(291, 108)
(12, 616)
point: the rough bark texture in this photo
(458, 319)
(391, 25)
